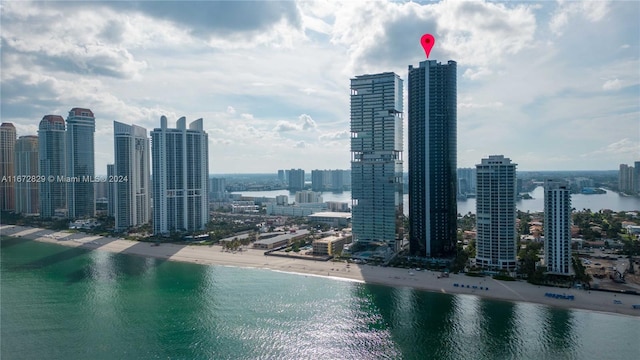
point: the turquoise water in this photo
(68, 303)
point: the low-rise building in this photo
(331, 218)
(329, 245)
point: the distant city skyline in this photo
(545, 81)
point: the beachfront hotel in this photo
(376, 159)
(26, 164)
(557, 227)
(51, 158)
(432, 158)
(180, 163)
(81, 125)
(496, 213)
(132, 195)
(7, 149)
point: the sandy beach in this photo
(487, 287)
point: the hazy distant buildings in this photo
(432, 158)
(330, 180)
(626, 179)
(180, 177)
(111, 190)
(466, 181)
(7, 172)
(282, 176)
(296, 179)
(376, 159)
(131, 176)
(496, 213)
(81, 125)
(218, 189)
(27, 200)
(52, 165)
(557, 227)
(637, 176)
(307, 196)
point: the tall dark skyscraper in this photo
(376, 159)
(432, 158)
(52, 164)
(81, 124)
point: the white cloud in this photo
(231, 110)
(614, 84)
(592, 11)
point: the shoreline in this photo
(485, 287)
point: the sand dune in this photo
(424, 280)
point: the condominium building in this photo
(432, 158)
(496, 213)
(26, 165)
(307, 196)
(180, 177)
(626, 179)
(296, 179)
(557, 227)
(111, 190)
(218, 189)
(7, 171)
(52, 165)
(376, 159)
(466, 181)
(131, 176)
(81, 125)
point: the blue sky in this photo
(552, 85)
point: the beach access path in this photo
(517, 291)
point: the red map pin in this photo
(427, 41)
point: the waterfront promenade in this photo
(487, 287)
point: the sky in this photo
(551, 85)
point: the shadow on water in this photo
(558, 332)
(499, 335)
(419, 322)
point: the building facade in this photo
(432, 158)
(111, 191)
(557, 227)
(81, 126)
(376, 159)
(27, 197)
(626, 179)
(296, 179)
(180, 177)
(306, 196)
(52, 163)
(7, 171)
(218, 189)
(131, 176)
(496, 244)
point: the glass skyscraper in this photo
(432, 159)
(26, 163)
(52, 164)
(180, 177)
(81, 125)
(376, 159)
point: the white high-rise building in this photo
(180, 177)
(131, 176)
(557, 227)
(81, 125)
(306, 196)
(496, 213)
(26, 164)
(51, 157)
(376, 159)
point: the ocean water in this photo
(67, 303)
